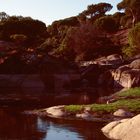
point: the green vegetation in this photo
(74, 108)
(129, 104)
(134, 42)
(107, 24)
(95, 11)
(18, 38)
(87, 36)
(133, 92)
(132, 10)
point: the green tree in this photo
(57, 32)
(49, 44)
(106, 24)
(95, 11)
(118, 16)
(3, 16)
(85, 43)
(20, 25)
(134, 42)
(18, 38)
(132, 8)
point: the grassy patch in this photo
(129, 104)
(74, 108)
(133, 92)
(103, 107)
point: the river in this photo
(16, 125)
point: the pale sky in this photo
(49, 10)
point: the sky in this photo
(49, 10)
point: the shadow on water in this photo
(17, 126)
(36, 98)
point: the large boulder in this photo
(113, 60)
(113, 71)
(126, 129)
(56, 111)
(99, 72)
(135, 64)
(127, 76)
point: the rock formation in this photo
(126, 129)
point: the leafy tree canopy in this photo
(134, 42)
(131, 7)
(106, 24)
(32, 29)
(95, 11)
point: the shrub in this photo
(134, 41)
(106, 24)
(86, 43)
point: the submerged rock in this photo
(122, 113)
(84, 115)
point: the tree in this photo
(118, 16)
(18, 38)
(49, 45)
(134, 42)
(57, 32)
(131, 7)
(85, 43)
(95, 11)
(33, 29)
(106, 24)
(3, 16)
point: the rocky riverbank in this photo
(122, 104)
(86, 114)
(123, 109)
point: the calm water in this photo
(15, 125)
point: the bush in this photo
(134, 41)
(106, 24)
(18, 38)
(86, 43)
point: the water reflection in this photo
(35, 98)
(17, 126)
(57, 131)
(70, 129)
(14, 126)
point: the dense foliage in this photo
(133, 48)
(95, 11)
(132, 10)
(89, 35)
(107, 24)
(32, 29)
(86, 42)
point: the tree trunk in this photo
(133, 17)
